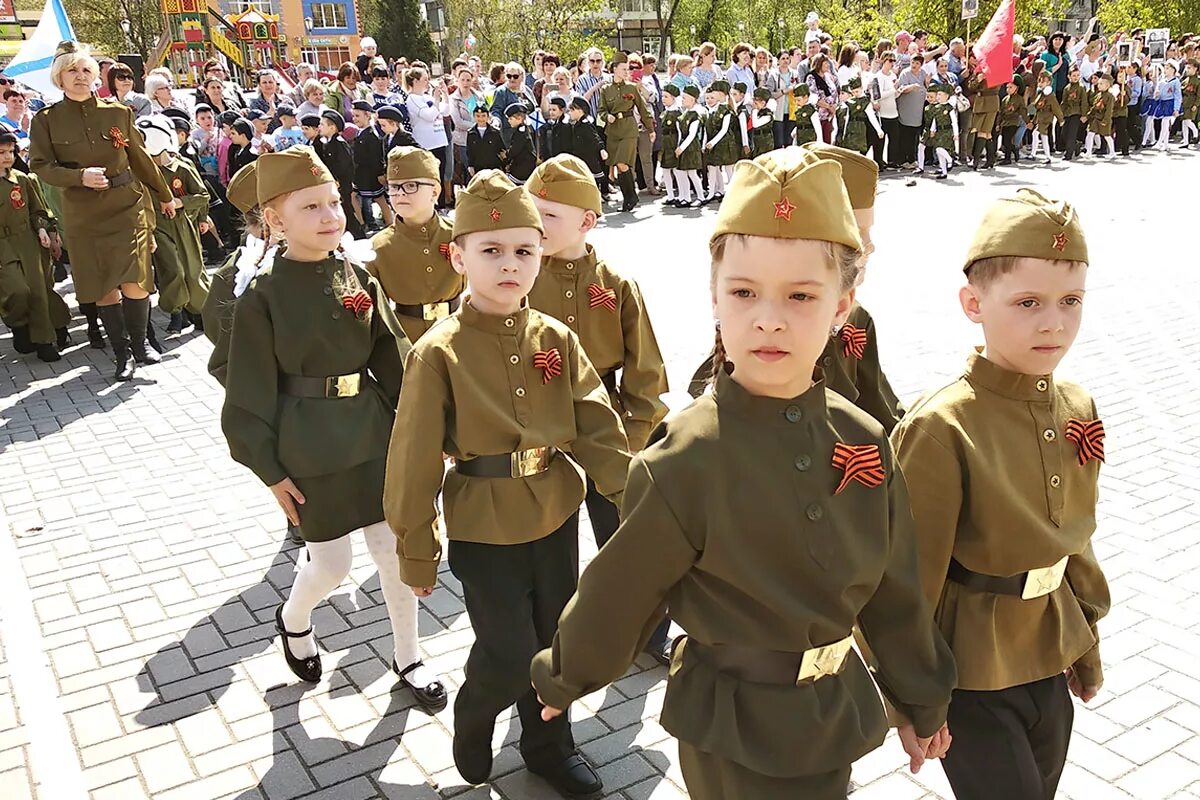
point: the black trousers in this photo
(1121, 132)
(1134, 128)
(1008, 139)
(908, 143)
(1070, 137)
(891, 132)
(514, 595)
(605, 520)
(1010, 743)
(875, 144)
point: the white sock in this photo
(1088, 143)
(1164, 131)
(697, 184)
(713, 172)
(401, 602)
(669, 184)
(327, 566)
(679, 177)
(1189, 127)
(920, 157)
(1046, 143)
(1112, 147)
(726, 177)
(1148, 131)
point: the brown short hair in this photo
(118, 70)
(346, 70)
(983, 272)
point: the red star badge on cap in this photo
(495, 215)
(315, 170)
(1060, 242)
(784, 209)
(541, 193)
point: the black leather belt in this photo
(123, 179)
(428, 311)
(520, 464)
(609, 379)
(758, 665)
(334, 386)
(1027, 585)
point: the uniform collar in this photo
(501, 325)
(1013, 385)
(573, 266)
(731, 396)
(424, 232)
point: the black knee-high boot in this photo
(137, 318)
(114, 325)
(990, 147)
(628, 190)
(977, 152)
(95, 337)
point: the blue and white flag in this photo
(32, 65)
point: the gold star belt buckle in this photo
(432, 312)
(821, 662)
(343, 385)
(531, 462)
(1041, 582)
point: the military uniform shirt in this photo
(1075, 100)
(669, 130)
(1101, 114)
(997, 485)
(412, 262)
(1012, 111)
(1045, 111)
(734, 521)
(473, 386)
(607, 313)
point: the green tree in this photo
(98, 22)
(510, 30)
(943, 18)
(400, 30)
(1125, 15)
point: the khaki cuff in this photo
(418, 573)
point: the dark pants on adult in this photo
(1121, 132)
(514, 595)
(783, 132)
(1011, 743)
(891, 133)
(353, 226)
(1070, 137)
(908, 143)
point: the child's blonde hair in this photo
(984, 271)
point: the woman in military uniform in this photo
(88, 147)
(766, 695)
(617, 101)
(315, 363)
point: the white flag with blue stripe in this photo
(32, 65)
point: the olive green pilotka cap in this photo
(1029, 225)
(491, 202)
(410, 163)
(789, 194)
(290, 170)
(243, 188)
(860, 175)
(565, 179)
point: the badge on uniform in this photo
(600, 296)
(177, 187)
(359, 302)
(118, 138)
(1088, 438)
(444, 249)
(854, 341)
(859, 463)
(16, 198)
(549, 362)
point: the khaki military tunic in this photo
(1046, 111)
(290, 321)
(412, 262)
(997, 485)
(1100, 116)
(481, 384)
(621, 135)
(1075, 100)
(27, 296)
(1012, 111)
(218, 315)
(109, 228)
(182, 281)
(734, 521)
(985, 104)
(606, 311)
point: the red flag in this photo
(995, 46)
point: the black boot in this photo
(990, 147)
(977, 153)
(21, 341)
(152, 338)
(64, 338)
(628, 191)
(137, 322)
(47, 352)
(176, 323)
(95, 337)
(114, 326)
(198, 321)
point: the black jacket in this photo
(522, 158)
(483, 152)
(369, 159)
(337, 156)
(401, 138)
(585, 145)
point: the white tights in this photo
(327, 566)
(1189, 128)
(1092, 137)
(1039, 139)
(716, 182)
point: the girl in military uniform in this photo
(858, 114)
(763, 133)
(89, 147)
(691, 146)
(941, 131)
(502, 388)
(412, 255)
(721, 142)
(808, 119)
(617, 102)
(673, 178)
(1046, 115)
(178, 258)
(315, 363)
(1100, 117)
(766, 695)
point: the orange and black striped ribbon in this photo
(858, 462)
(444, 249)
(118, 138)
(549, 362)
(359, 302)
(602, 297)
(1088, 438)
(854, 341)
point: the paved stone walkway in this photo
(140, 567)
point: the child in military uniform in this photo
(335, 152)
(766, 695)
(552, 136)
(741, 119)
(691, 147)
(605, 310)
(856, 113)
(521, 157)
(412, 255)
(315, 364)
(668, 128)
(585, 139)
(1046, 114)
(941, 131)
(721, 141)
(502, 388)
(1100, 116)
(1013, 114)
(485, 148)
(178, 257)
(370, 164)
(36, 313)
(1075, 105)
(763, 133)
(808, 119)
(1189, 111)
(1002, 466)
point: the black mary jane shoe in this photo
(306, 669)
(572, 777)
(432, 698)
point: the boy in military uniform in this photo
(585, 139)
(485, 149)
(668, 126)
(36, 313)
(1075, 105)
(370, 164)
(1189, 109)
(808, 120)
(766, 696)
(618, 100)
(412, 255)
(1100, 116)
(691, 147)
(763, 134)
(1002, 467)
(1046, 114)
(857, 114)
(502, 388)
(1013, 114)
(521, 157)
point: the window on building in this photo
(264, 7)
(650, 44)
(326, 59)
(328, 15)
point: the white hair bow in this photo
(255, 256)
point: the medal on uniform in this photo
(16, 199)
(860, 463)
(177, 187)
(444, 249)
(118, 138)
(549, 362)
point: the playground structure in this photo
(195, 31)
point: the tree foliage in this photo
(510, 30)
(98, 22)
(943, 18)
(1181, 16)
(399, 29)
